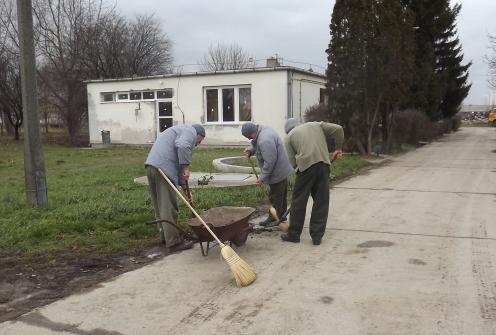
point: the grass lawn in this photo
(95, 207)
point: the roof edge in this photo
(190, 74)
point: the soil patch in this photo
(26, 284)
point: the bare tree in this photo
(10, 90)
(115, 47)
(10, 77)
(224, 57)
(78, 40)
(59, 26)
(491, 63)
(148, 49)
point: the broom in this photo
(243, 273)
(272, 210)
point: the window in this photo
(164, 94)
(322, 96)
(107, 97)
(228, 104)
(122, 96)
(148, 95)
(245, 104)
(135, 96)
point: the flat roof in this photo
(249, 70)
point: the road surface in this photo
(410, 248)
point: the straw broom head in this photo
(242, 271)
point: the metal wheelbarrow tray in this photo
(228, 224)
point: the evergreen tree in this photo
(439, 79)
(350, 34)
(370, 57)
(450, 56)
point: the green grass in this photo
(470, 124)
(94, 206)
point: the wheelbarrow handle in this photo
(190, 207)
(190, 236)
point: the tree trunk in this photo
(356, 139)
(16, 132)
(8, 126)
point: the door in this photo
(165, 118)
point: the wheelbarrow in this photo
(227, 223)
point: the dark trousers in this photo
(278, 196)
(313, 181)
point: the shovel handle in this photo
(191, 208)
(256, 175)
(188, 193)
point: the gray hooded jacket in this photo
(271, 154)
(173, 148)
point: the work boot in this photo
(290, 238)
(267, 221)
(272, 223)
(183, 245)
(317, 240)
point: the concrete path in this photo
(410, 249)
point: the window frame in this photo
(155, 92)
(220, 108)
(102, 97)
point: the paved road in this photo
(410, 249)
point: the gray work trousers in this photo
(313, 181)
(165, 205)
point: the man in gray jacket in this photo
(274, 165)
(171, 152)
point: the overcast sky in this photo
(296, 30)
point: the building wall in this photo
(269, 90)
(490, 99)
(306, 93)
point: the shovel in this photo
(279, 223)
(189, 196)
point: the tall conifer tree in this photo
(450, 57)
(370, 57)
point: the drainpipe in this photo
(300, 99)
(290, 94)
(177, 98)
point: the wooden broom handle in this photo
(191, 208)
(256, 175)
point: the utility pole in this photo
(34, 164)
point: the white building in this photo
(490, 99)
(136, 110)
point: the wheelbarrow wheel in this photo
(240, 239)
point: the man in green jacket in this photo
(308, 153)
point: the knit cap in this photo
(199, 129)
(290, 124)
(248, 128)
